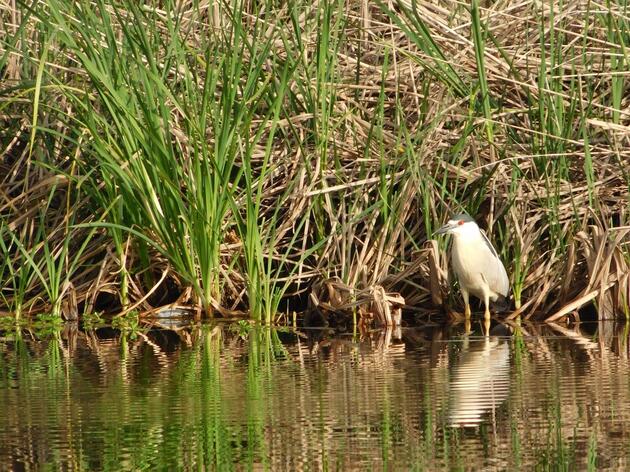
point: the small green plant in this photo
(46, 324)
(93, 320)
(10, 323)
(242, 328)
(129, 324)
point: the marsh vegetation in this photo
(252, 158)
(223, 396)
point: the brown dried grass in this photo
(397, 151)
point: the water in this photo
(234, 397)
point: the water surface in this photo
(237, 397)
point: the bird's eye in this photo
(460, 222)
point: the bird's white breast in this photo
(469, 257)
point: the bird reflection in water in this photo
(481, 378)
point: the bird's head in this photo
(459, 225)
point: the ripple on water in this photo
(430, 400)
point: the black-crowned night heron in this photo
(476, 264)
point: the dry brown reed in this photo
(377, 145)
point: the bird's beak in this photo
(443, 229)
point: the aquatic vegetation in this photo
(233, 156)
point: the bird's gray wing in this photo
(493, 270)
(488, 243)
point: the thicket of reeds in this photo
(256, 157)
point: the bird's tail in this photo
(501, 304)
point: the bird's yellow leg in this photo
(486, 314)
(486, 302)
(466, 304)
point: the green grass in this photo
(232, 157)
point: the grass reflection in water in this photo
(225, 397)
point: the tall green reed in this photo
(165, 127)
(42, 257)
(617, 34)
(417, 30)
(320, 101)
(479, 40)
